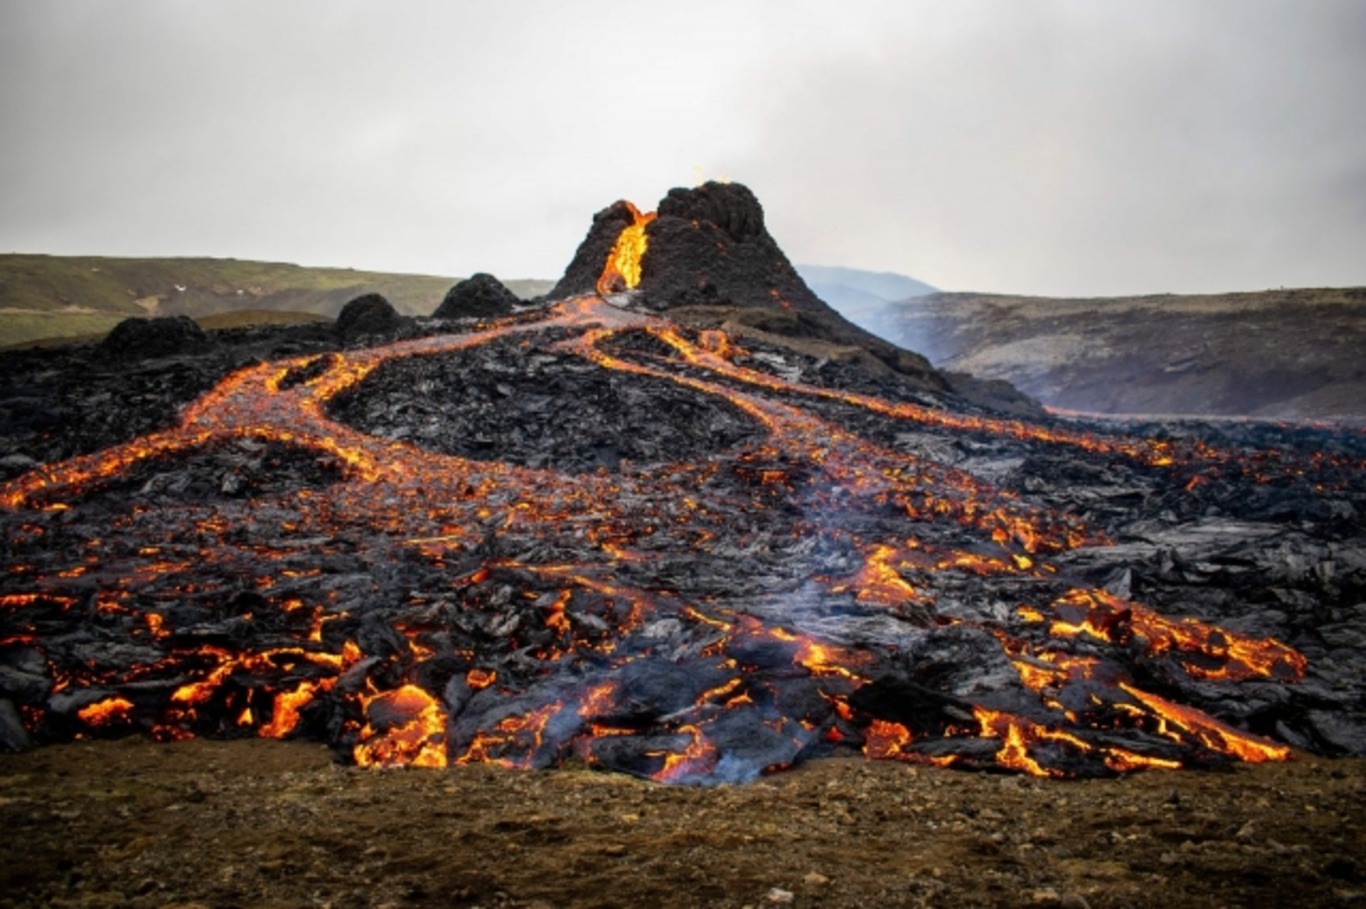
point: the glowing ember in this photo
(405, 726)
(1214, 735)
(885, 740)
(1206, 652)
(287, 706)
(107, 711)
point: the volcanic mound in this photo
(137, 338)
(480, 296)
(369, 314)
(706, 257)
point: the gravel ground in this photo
(263, 823)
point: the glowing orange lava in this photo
(440, 510)
(622, 271)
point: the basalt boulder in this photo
(370, 314)
(480, 296)
(139, 338)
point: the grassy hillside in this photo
(24, 328)
(239, 318)
(99, 326)
(48, 296)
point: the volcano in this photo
(678, 520)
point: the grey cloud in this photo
(1138, 148)
(1051, 147)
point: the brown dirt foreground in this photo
(260, 823)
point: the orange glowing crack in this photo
(697, 758)
(520, 735)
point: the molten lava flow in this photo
(287, 706)
(622, 269)
(405, 726)
(1218, 737)
(1205, 651)
(885, 739)
(1014, 732)
(879, 581)
(546, 604)
(107, 711)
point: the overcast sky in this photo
(1059, 147)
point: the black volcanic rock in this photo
(729, 207)
(138, 338)
(370, 314)
(591, 533)
(525, 404)
(13, 735)
(479, 296)
(708, 245)
(535, 531)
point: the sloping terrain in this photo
(55, 296)
(1276, 354)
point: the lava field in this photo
(590, 532)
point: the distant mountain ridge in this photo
(45, 296)
(862, 297)
(885, 284)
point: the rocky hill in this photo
(711, 262)
(1275, 354)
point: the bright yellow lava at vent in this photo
(622, 271)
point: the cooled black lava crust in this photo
(530, 405)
